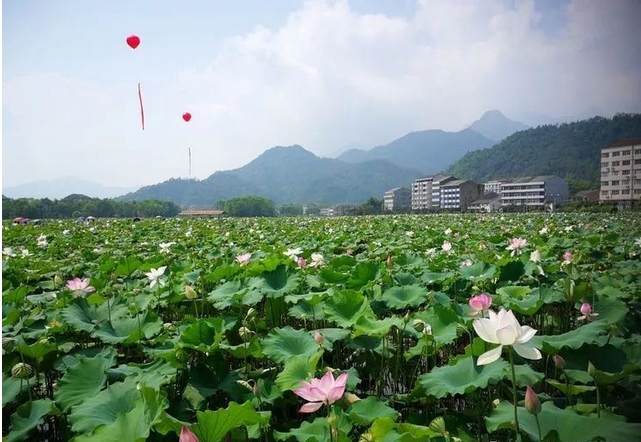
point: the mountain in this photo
(429, 151)
(496, 126)
(569, 150)
(61, 187)
(288, 174)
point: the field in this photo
(421, 328)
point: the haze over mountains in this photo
(489, 148)
(61, 187)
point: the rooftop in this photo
(625, 143)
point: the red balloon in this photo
(186, 116)
(133, 41)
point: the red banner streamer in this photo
(142, 110)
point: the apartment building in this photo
(459, 194)
(534, 191)
(426, 192)
(399, 198)
(621, 172)
(494, 186)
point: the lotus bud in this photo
(186, 435)
(390, 261)
(586, 309)
(245, 384)
(366, 437)
(245, 333)
(438, 425)
(559, 362)
(58, 280)
(318, 337)
(21, 371)
(532, 402)
(250, 313)
(190, 293)
(592, 371)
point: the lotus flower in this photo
(516, 245)
(154, 276)
(317, 260)
(447, 246)
(80, 286)
(293, 253)
(586, 312)
(504, 329)
(186, 435)
(301, 262)
(325, 390)
(480, 303)
(243, 259)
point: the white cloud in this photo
(327, 78)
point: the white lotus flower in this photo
(42, 241)
(535, 256)
(317, 260)
(154, 276)
(293, 253)
(164, 246)
(504, 329)
(8, 251)
(447, 246)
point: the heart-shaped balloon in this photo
(186, 116)
(133, 41)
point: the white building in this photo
(490, 202)
(399, 198)
(494, 186)
(534, 191)
(621, 172)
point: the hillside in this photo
(61, 187)
(428, 151)
(286, 175)
(570, 150)
(496, 126)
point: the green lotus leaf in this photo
(213, 426)
(404, 297)
(84, 317)
(573, 389)
(298, 369)
(444, 323)
(11, 388)
(363, 273)
(135, 425)
(332, 335)
(127, 265)
(205, 334)
(588, 333)
(284, 343)
(370, 326)
(478, 272)
(317, 431)
(384, 429)
(27, 417)
(465, 376)
(346, 307)
(129, 330)
(227, 294)
(279, 281)
(436, 277)
(153, 375)
(331, 276)
(84, 379)
(103, 408)
(566, 423)
(307, 310)
(365, 411)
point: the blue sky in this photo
(324, 74)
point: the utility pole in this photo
(189, 149)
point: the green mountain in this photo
(429, 151)
(496, 126)
(286, 175)
(569, 150)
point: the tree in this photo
(248, 206)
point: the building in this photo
(534, 192)
(421, 197)
(490, 202)
(458, 194)
(399, 198)
(426, 192)
(585, 196)
(494, 186)
(621, 172)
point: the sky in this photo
(324, 74)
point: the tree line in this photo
(74, 206)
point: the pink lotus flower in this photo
(79, 286)
(325, 390)
(243, 259)
(318, 337)
(567, 258)
(516, 245)
(302, 263)
(480, 303)
(187, 436)
(586, 312)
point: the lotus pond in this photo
(390, 328)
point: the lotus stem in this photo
(598, 400)
(514, 394)
(538, 426)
